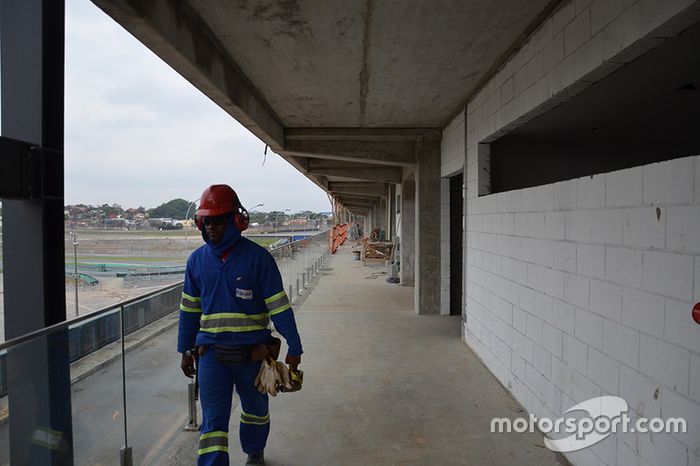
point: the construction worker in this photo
(232, 289)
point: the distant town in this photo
(178, 214)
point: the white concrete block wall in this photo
(452, 147)
(585, 287)
(560, 321)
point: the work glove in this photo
(285, 382)
(273, 377)
(268, 377)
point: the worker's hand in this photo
(293, 361)
(187, 366)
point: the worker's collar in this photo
(231, 237)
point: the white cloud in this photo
(137, 133)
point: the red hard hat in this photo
(220, 199)
(217, 199)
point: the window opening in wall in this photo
(645, 112)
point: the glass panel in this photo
(97, 405)
(35, 379)
(298, 261)
(156, 389)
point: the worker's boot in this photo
(256, 459)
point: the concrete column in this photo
(427, 222)
(408, 233)
(382, 215)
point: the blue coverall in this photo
(231, 292)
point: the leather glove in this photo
(283, 376)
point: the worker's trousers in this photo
(216, 384)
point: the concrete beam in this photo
(382, 175)
(362, 134)
(176, 34)
(357, 203)
(359, 184)
(387, 146)
(353, 170)
(397, 153)
(363, 190)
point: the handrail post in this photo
(192, 425)
(125, 454)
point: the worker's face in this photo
(216, 227)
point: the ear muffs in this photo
(241, 219)
(198, 222)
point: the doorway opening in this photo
(456, 235)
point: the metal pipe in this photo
(122, 330)
(192, 407)
(126, 457)
(74, 235)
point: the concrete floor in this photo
(385, 386)
(382, 386)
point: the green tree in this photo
(176, 208)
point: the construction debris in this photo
(376, 252)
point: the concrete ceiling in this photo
(344, 90)
(340, 63)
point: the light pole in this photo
(74, 236)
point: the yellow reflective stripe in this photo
(274, 297)
(280, 309)
(253, 419)
(248, 328)
(233, 322)
(216, 440)
(189, 309)
(204, 451)
(191, 298)
(234, 315)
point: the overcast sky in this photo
(137, 133)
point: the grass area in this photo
(264, 242)
(193, 233)
(140, 233)
(103, 257)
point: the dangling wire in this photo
(264, 156)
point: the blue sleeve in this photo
(190, 310)
(278, 305)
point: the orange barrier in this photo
(338, 236)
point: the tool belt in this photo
(236, 355)
(232, 355)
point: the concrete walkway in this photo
(387, 387)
